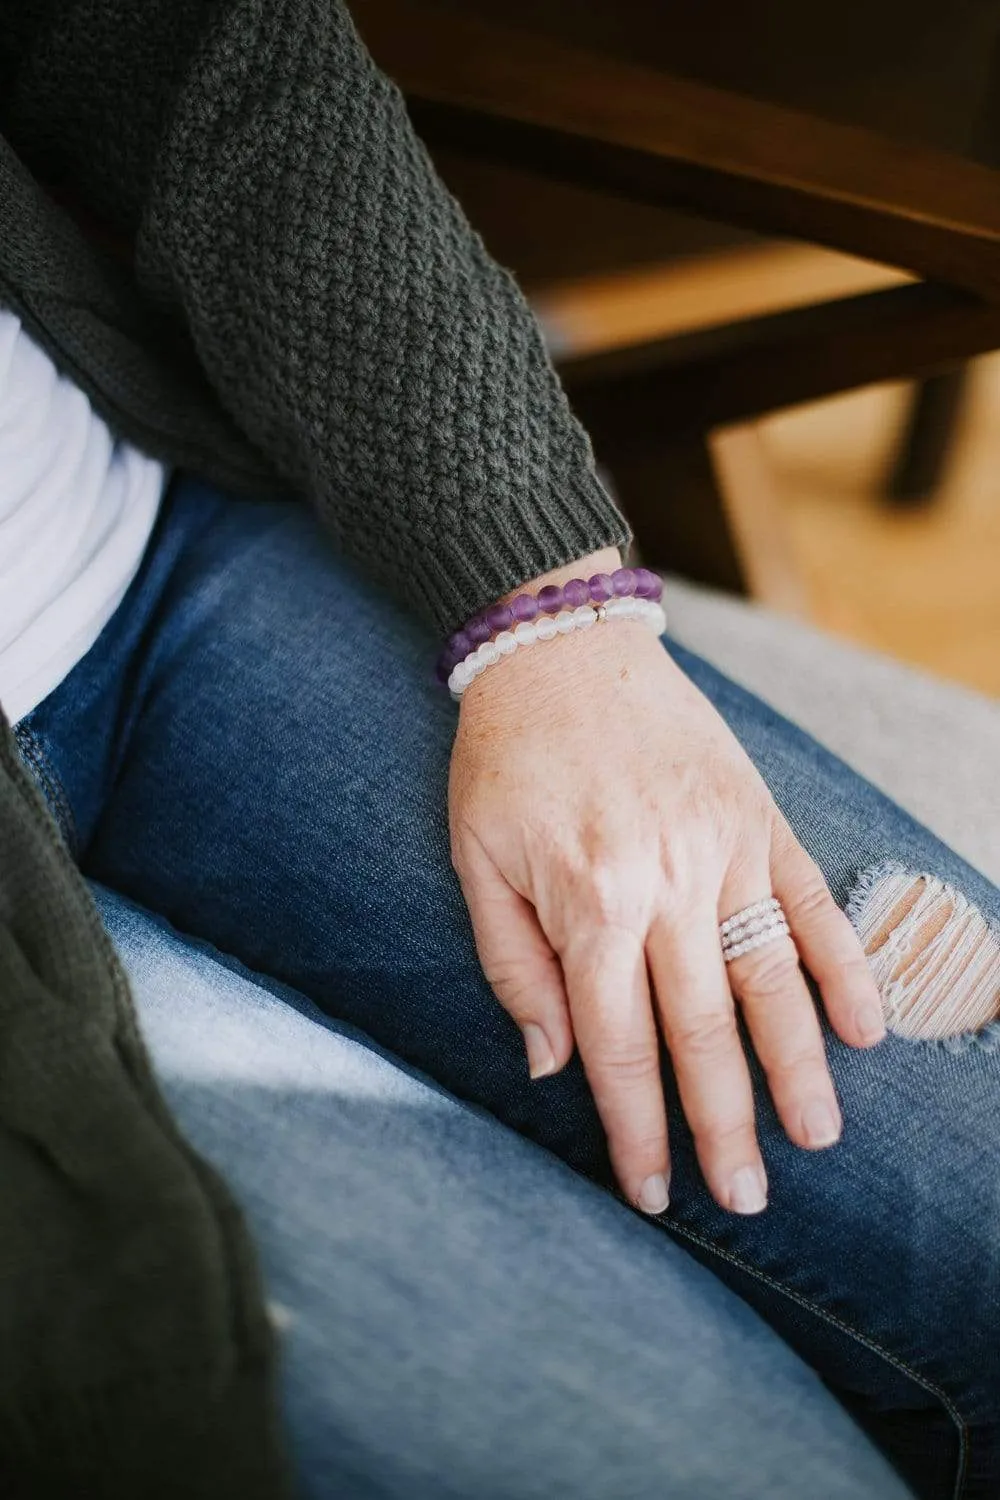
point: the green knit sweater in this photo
(301, 307)
(306, 305)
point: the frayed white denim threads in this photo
(934, 956)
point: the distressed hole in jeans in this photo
(935, 958)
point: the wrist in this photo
(605, 561)
(507, 621)
(559, 670)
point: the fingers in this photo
(699, 1024)
(519, 963)
(619, 1046)
(604, 970)
(593, 980)
(826, 941)
(780, 1015)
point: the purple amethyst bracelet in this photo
(639, 583)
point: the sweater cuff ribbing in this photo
(497, 548)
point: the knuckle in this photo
(619, 890)
(769, 971)
(720, 1137)
(812, 899)
(796, 1067)
(681, 858)
(629, 1064)
(854, 965)
(639, 1145)
(705, 1035)
(517, 985)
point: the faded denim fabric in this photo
(256, 750)
(460, 1314)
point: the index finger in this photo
(619, 1046)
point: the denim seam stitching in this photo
(852, 1333)
(34, 754)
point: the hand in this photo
(604, 820)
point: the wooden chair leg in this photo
(757, 519)
(670, 493)
(706, 507)
(926, 442)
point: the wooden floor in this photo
(925, 585)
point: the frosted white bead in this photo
(742, 928)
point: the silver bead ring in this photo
(763, 922)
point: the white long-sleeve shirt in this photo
(76, 511)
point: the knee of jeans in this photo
(935, 957)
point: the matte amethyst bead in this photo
(623, 582)
(648, 585)
(601, 588)
(477, 630)
(524, 607)
(576, 592)
(550, 599)
(458, 647)
(499, 617)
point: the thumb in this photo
(520, 964)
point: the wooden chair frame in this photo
(531, 101)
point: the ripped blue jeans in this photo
(255, 750)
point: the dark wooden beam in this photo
(746, 369)
(927, 441)
(532, 101)
(670, 493)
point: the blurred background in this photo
(917, 575)
(764, 242)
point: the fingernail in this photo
(748, 1191)
(654, 1195)
(871, 1026)
(820, 1123)
(541, 1058)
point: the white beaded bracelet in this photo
(546, 628)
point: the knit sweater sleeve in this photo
(353, 323)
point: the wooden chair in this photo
(543, 101)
